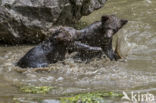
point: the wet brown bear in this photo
(100, 34)
(45, 53)
(52, 50)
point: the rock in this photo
(27, 21)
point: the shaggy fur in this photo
(96, 38)
(98, 34)
(53, 50)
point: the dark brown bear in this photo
(45, 53)
(52, 50)
(100, 34)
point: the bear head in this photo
(62, 37)
(111, 24)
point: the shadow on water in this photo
(137, 42)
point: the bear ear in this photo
(123, 22)
(104, 18)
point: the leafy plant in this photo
(36, 90)
(89, 97)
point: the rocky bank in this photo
(28, 21)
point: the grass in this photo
(36, 90)
(97, 97)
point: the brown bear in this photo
(45, 53)
(100, 34)
(52, 50)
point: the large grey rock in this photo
(27, 21)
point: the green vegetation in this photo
(15, 100)
(89, 97)
(36, 90)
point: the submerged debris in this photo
(36, 90)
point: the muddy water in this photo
(135, 72)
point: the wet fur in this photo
(98, 34)
(53, 50)
(49, 51)
(94, 39)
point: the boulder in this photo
(28, 21)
